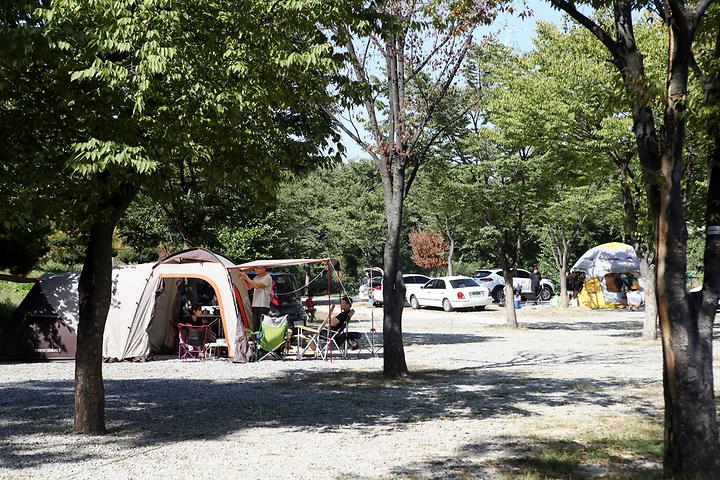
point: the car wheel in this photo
(447, 306)
(546, 293)
(498, 294)
(414, 302)
(480, 308)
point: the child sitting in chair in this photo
(310, 308)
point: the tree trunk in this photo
(647, 274)
(306, 289)
(563, 288)
(450, 257)
(510, 313)
(691, 434)
(95, 291)
(393, 293)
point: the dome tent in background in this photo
(610, 269)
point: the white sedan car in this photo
(451, 293)
(372, 285)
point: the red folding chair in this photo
(192, 340)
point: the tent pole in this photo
(329, 267)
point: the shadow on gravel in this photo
(152, 412)
(636, 455)
(631, 326)
(443, 338)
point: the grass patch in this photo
(635, 452)
(11, 294)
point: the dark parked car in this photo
(287, 294)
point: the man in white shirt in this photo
(261, 285)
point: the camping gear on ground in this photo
(611, 270)
(215, 348)
(272, 337)
(243, 350)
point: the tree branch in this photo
(353, 135)
(586, 22)
(441, 95)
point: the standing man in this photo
(570, 284)
(535, 278)
(261, 285)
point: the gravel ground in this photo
(478, 392)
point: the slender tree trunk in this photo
(306, 268)
(94, 290)
(647, 274)
(510, 313)
(394, 364)
(691, 434)
(450, 256)
(563, 288)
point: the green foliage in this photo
(11, 294)
(22, 247)
(168, 98)
(253, 240)
(336, 212)
(66, 250)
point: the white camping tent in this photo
(143, 309)
(601, 265)
(145, 303)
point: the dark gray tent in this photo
(44, 326)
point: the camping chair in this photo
(311, 337)
(319, 341)
(336, 341)
(192, 340)
(272, 338)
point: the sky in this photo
(515, 32)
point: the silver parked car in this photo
(492, 278)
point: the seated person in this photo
(196, 315)
(635, 299)
(310, 307)
(194, 336)
(338, 323)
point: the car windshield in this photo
(463, 283)
(482, 273)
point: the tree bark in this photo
(691, 434)
(647, 274)
(691, 442)
(450, 257)
(563, 287)
(510, 313)
(394, 364)
(95, 291)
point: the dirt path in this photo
(481, 398)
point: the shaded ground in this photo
(571, 394)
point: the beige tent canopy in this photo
(287, 262)
(145, 301)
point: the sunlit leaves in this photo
(96, 156)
